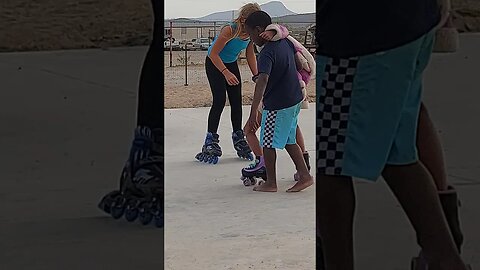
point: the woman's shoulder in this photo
(227, 30)
(232, 24)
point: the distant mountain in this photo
(274, 9)
(297, 18)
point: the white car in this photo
(175, 45)
(200, 44)
(204, 43)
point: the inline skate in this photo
(211, 150)
(141, 193)
(241, 145)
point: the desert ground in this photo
(35, 25)
(197, 93)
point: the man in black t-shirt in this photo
(371, 57)
(279, 88)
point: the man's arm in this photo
(260, 87)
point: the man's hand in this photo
(268, 35)
(252, 122)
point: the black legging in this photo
(220, 89)
(150, 90)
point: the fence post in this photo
(186, 63)
(171, 34)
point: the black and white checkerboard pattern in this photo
(333, 110)
(269, 130)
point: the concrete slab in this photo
(220, 223)
(66, 124)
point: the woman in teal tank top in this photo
(224, 78)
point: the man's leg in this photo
(301, 143)
(414, 188)
(335, 198)
(252, 139)
(430, 150)
(412, 183)
(301, 140)
(304, 178)
(431, 154)
(269, 141)
(270, 156)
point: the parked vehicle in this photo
(204, 43)
(175, 44)
(200, 44)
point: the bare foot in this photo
(266, 187)
(302, 183)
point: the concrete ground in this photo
(66, 124)
(219, 222)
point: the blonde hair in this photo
(243, 13)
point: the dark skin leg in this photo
(304, 178)
(414, 188)
(430, 149)
(270, 156)
(335, 206)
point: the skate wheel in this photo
(250, 157)
(117, 211)
(253, 181)
(145, 216)
(199, 157)
(215, 160)
(118, 207)
(261, 182)
(247, 182)
(131, 214)
(105, 203)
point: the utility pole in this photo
(171, 33)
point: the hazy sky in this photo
(199, 8)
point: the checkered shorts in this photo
(332, 113)
(279, 127)
(367, 110)
(269, 129)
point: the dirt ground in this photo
(74, 24)
(197, 93)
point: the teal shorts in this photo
(279, 127)
(367, 110)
